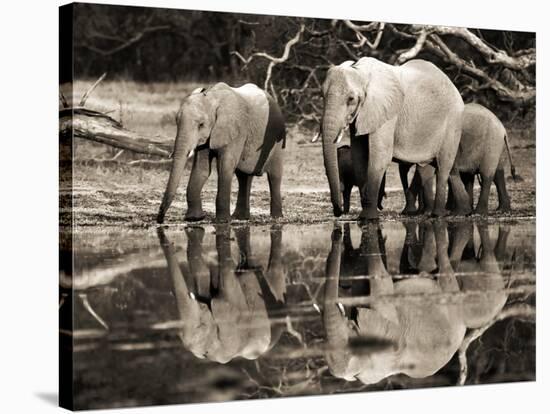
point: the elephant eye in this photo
(201, 125)
(351, 99)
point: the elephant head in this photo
(382, 336)
(213, 117)
(367, 94)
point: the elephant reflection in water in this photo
(412, 325)
(225, 304)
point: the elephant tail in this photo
(515, 176)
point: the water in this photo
(207, 313)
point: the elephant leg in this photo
(226, 168)
(447, 279)
(276, 206)
(502, 241)
(410, 196)
(450, 199)
(483, 202)
(448, 174)
(347, 196)
(463, 233)
(503, 197)
(359, 158)
(426, 175)
(202, 166)
(382, 193)
(380, 155)
(274, 177)
(468, 179)
(242, 210)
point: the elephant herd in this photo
(411, 114)
(233, 304)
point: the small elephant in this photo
(410, 113)
(244, 130)
(480, 152)
(225, 305)
(348, 180)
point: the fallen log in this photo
(87, 124)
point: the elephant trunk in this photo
(331, 130)
(335, 323)
(181, 152)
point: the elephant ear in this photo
(383, 95)
(230, 119)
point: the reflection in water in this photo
(420, 335)
(214, 313)
(225, 305)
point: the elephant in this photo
(480, 152)
(244, 130)
(347, 178)
(391, 327)
(225, 306)
(410, 113)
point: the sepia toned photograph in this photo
(256, 206)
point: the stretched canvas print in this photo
(258, 206)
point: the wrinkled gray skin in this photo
(410, 335)
(243, 130)
(223, 305)
(411, 113)
(480, 152)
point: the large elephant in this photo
(224, 305)
(480, 152)
(413, 325)
(410, 113)
(243, 129)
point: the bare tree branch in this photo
(362, 39)
(413, 51)
(438, 46)
(523, 311)
(91, 89)
(63, 99)
(525, 59)
(272, 59)
(126, 43)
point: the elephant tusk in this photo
(341, 308)
(191, 153)
(192, 296)
(316, 137)
(317, 308)
(339, 137)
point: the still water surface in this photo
(217, 313)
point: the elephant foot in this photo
(437, 213)
(241, 215)
(223, 219)
(481, 210)
(504, 208)
(337, 211)
(462, 212)
(194, 216)
(407, 211)
(160, 218)
(277, 215)
(368, 215)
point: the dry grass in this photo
(130, 195)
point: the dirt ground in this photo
(116, 193)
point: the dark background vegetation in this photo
(495, 68)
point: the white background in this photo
(28, 202)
